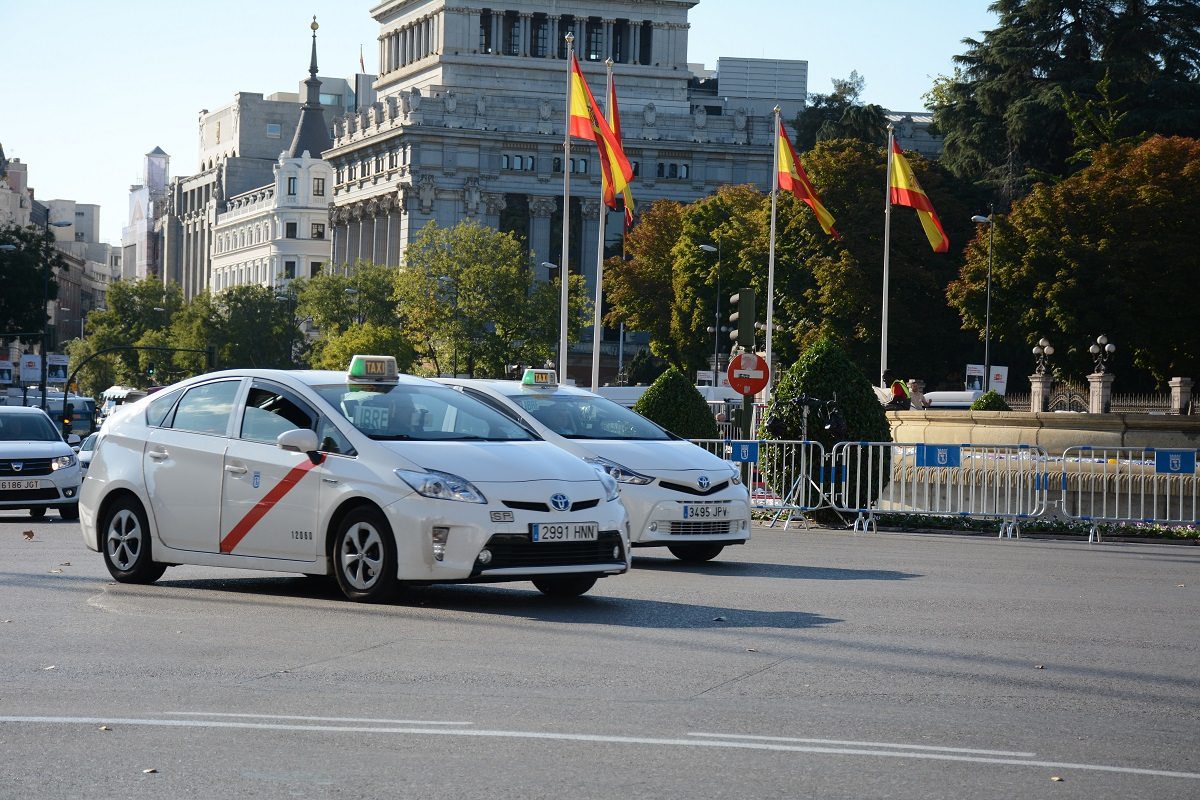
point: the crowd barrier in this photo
(1008, 483)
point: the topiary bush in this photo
(990, 401)
(674, 403)
(825, 373)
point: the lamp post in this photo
(45, 302)
(551, 268)
(989, 220)
(1102, 350)
(1042, 351)
(715, 328)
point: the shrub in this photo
(673, 402)
(990, 401)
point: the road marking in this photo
(597, 738)
(319, 719)
(892, 745)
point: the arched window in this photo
(504, 161)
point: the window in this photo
(505, 162)
(378, 164)
(290, 228)
(683, 171)
(566, 23)
(331, 100)
(366, 167)
(595, 39)
(159, 408)
(512, 24)
(541, 34)
(557, 164)
(318, 187)
(274, 130)
(271, 410)
(350, 172)
(289, 269)
(314, 269)
(579, 165)
(485, 32)
(392, 159)
(206, 408)
(318, 230)
(340, 176)
(291, 187)
(637, 168)
(662, 170)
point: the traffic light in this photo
(742, 318)
(150, 370)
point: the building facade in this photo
(141, 239)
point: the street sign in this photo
(748, 374)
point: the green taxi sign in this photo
(539, 378)
(373, 368)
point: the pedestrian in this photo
(916, 393)
(901, 400)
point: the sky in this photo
(91, 87)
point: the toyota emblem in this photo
(703, 482)
(18, 466)
(560, 502)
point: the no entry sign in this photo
(748, 374)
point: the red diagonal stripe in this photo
(277, 493)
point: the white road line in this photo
(587, 737)
(319, 719)
(893, 745)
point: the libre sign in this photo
(748, 374)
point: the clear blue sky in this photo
(91, 87)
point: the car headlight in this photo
(441, 486)
(62, 462)
(619, 473)
(611, 489)
(736, 480)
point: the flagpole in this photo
(887, 249)
(771, 252)
(597, 330)
(564, 270)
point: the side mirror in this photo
(299, 440)
(74, 440)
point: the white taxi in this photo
(376, 478)
(678, 495)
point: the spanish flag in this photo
(614, 122)
(588, 123)
(906, 191)
(794, 179)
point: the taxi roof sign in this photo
(373, 368)
(539, 378)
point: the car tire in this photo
(70, 511)
(37, 513)
(125, 542)
(364, 557)
(696, 552)
(564, 585)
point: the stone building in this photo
(274, 233)
(141, 239)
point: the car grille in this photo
(16, 495)
(523, 505)
(684, 488)
(701, 527)
(30, 467)
(516, 550)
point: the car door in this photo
(269, 497)
(182, 466)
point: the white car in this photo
(376, 478)
(86, 448)
(678, 495)
(38, 470)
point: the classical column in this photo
(606, 48)
(553, 38)
(383, 55)
(497, 29)
(526, 30)
(635, 41)
(590, 211)
(540, 210)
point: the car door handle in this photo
(157, 454)
(235, 470)
(330, 481)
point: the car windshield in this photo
(588, 417)
(27, 428)
(88, 443)
(420, 413)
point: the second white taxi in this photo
(678, 495)
(376, 478)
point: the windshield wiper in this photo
(389, 437)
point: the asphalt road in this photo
(807, 664)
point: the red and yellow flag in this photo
(794, 179)
(614, 122)
(588, 123)
(906, 191)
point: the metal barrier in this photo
(1130, 485)
(1008, 482)
(786, 477)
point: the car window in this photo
(333, 440)
(206, 408)
(588, 417)
(271, 410)
(88, 444)
(27, 428)
(419, 412)
(160, 407)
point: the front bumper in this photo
(50, 491)
(660, 517)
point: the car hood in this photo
(655, 457)
(18, 450)
(496, 462)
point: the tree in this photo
(468, 301)
(673, 402)
(840, 115)
(337, 303)
(1109, 250)
(368, 338)
(137, 313)
(27, 273)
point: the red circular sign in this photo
(748, 373)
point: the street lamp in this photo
(1102, 350)
(45, 302)
(987, 324)
(1043, 350)
(552, 268)
(715, 328)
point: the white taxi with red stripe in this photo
(375, 478)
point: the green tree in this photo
(468, 301)
(673, 402)
(1072, 261)
(366, 339)
(137, 313)
(840, 115)
(28, 275)
(337, 302)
